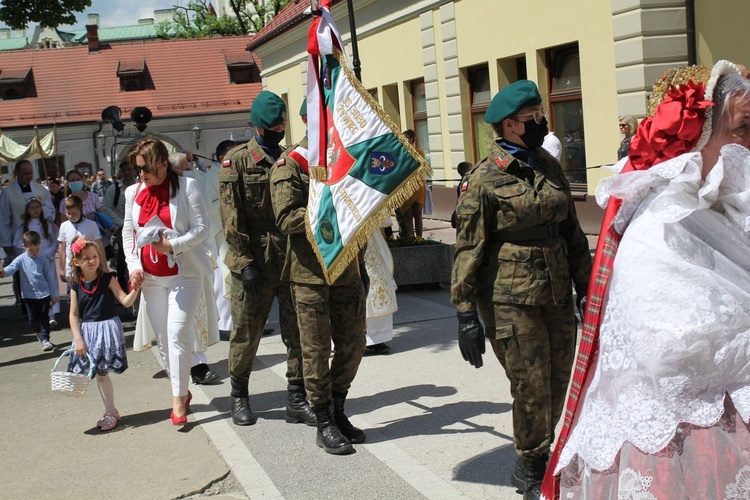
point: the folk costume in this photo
(660, 401)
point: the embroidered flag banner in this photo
(361, 167)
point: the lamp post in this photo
(196, 135)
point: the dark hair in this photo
(410, 134)
(19, 164)
(42, 219)
(123, 163)
(31, 238)
(74, 202)
(68, 191)
(223, 148)
(463, 167)
(154, 153)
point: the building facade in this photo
(434, 65)
(193, 88)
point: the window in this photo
(50, 168)
(480, 96)
(16, 84)
(419, 101)
(241, 68)
(133, 75)
(566, 111)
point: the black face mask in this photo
(533, 137)
(272, 138)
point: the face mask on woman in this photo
(76, 186)
(533, 137)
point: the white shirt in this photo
(69, 232)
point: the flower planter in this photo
(422, 264)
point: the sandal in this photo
(109, 421)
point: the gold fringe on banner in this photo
(395, 200)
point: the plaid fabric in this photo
(606, 248)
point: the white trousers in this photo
(170, 302)
(221, 289)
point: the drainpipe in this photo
(690, 32)
(96, 145)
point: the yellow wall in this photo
(394, 56)
(483, 37)
(721, 31)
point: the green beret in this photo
(268, 110)
(303, 108)
(511, 99)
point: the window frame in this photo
(555, 58)
(419, 118)
(477, 108)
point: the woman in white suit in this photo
(169, 262)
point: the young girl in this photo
(92, 302)
(77, 226)
(34, 220)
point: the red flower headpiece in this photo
(78, 245)
(674, 129)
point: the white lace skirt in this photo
(699, 462)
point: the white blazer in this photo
(187, 212)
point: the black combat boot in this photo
(352, 433)
(297, 409)
(329, 436)
(527, 476)
(240, 405)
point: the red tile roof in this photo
(189, 78)
(289, 16)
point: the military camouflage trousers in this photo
(327, 313)
(249, 315)
(536, 346)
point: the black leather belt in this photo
(528, 234)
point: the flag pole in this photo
(355, 50)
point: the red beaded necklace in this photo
(93, 290)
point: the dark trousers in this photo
(38, 315)
(123, 276)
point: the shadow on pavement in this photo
(443, 420)
(500, 460)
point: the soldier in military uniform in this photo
(255, 258)
(325, 313)
(518, 246)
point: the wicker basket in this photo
(71, 384)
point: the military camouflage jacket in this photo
(290, 185)
(246, 212)
(502, 195)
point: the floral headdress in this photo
(32, 199)
(679, 115)
(78, 245)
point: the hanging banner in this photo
(11, 151)
(361, 167)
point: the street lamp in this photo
(197, 135)
(102, 142)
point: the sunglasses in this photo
(536, 116)
(623, 125)
(145, 169)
